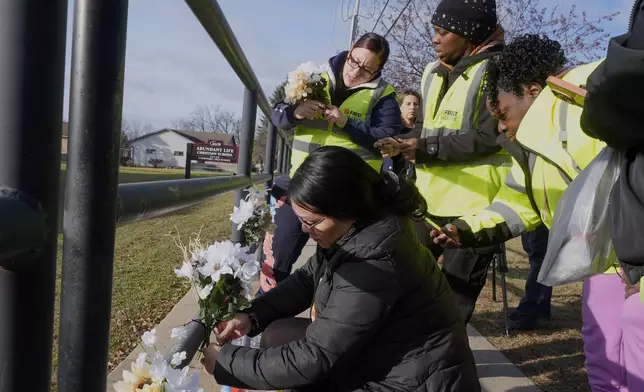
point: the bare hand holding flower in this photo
(309, 109)
(335, 116)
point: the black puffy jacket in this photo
(386, 321)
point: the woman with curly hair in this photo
(549, 146)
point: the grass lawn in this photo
(145, 287)
(553, 358)
(142, 174)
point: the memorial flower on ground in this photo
(150, 372)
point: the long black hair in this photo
(336, 182)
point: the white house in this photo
(168, 148)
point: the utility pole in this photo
(354, 23)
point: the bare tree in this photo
(211, 119)
(259, 146)
(410, 32)
(133, 129)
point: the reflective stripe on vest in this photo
(563, 135)
(512, 183)
(511, 218)
(469, 111)
(377, 94)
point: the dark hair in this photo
(528, 59)
(336, 182)
(377, 44)
(407, 92)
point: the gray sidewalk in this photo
(496, 373)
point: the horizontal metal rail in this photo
(212, 18)
(147, 200)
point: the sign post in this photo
(188, 160)
(211, 151)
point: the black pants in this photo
(288, 239)
(464, 268)
(537, 297)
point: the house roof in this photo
(194, 136)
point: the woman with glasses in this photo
(382, 314)
(360, 108)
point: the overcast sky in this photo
(172, 66)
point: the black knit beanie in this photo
(472, 19)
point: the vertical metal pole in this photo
(494, 277)
(32, 48)
(269, 158)
(247, 136)
(96, 98)
(503, 269)
(188, 168)
(280, 156)
(287, 159)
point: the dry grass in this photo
(553, 357)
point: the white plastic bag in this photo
(580, 243)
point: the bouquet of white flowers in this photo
(253, 216)
(221, 276)
(151, 373)
(306, 82)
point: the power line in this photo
(398, 17)
(354, 22)
(380, 16)
(335, 18)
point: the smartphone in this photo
(434, 225)
(568, 92)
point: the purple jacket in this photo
(385, 117)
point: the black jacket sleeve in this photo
(362, 295)
(468, 145)
(288, 299)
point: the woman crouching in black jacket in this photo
(382, 315)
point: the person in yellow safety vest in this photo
(557, 147)
(361, 108)
(550, 148)
(459, 165)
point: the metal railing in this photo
(31, 100)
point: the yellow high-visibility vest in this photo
(313, 134)
(457, 188)
(558, 149)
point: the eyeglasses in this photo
(353, 63)
(310, 226)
